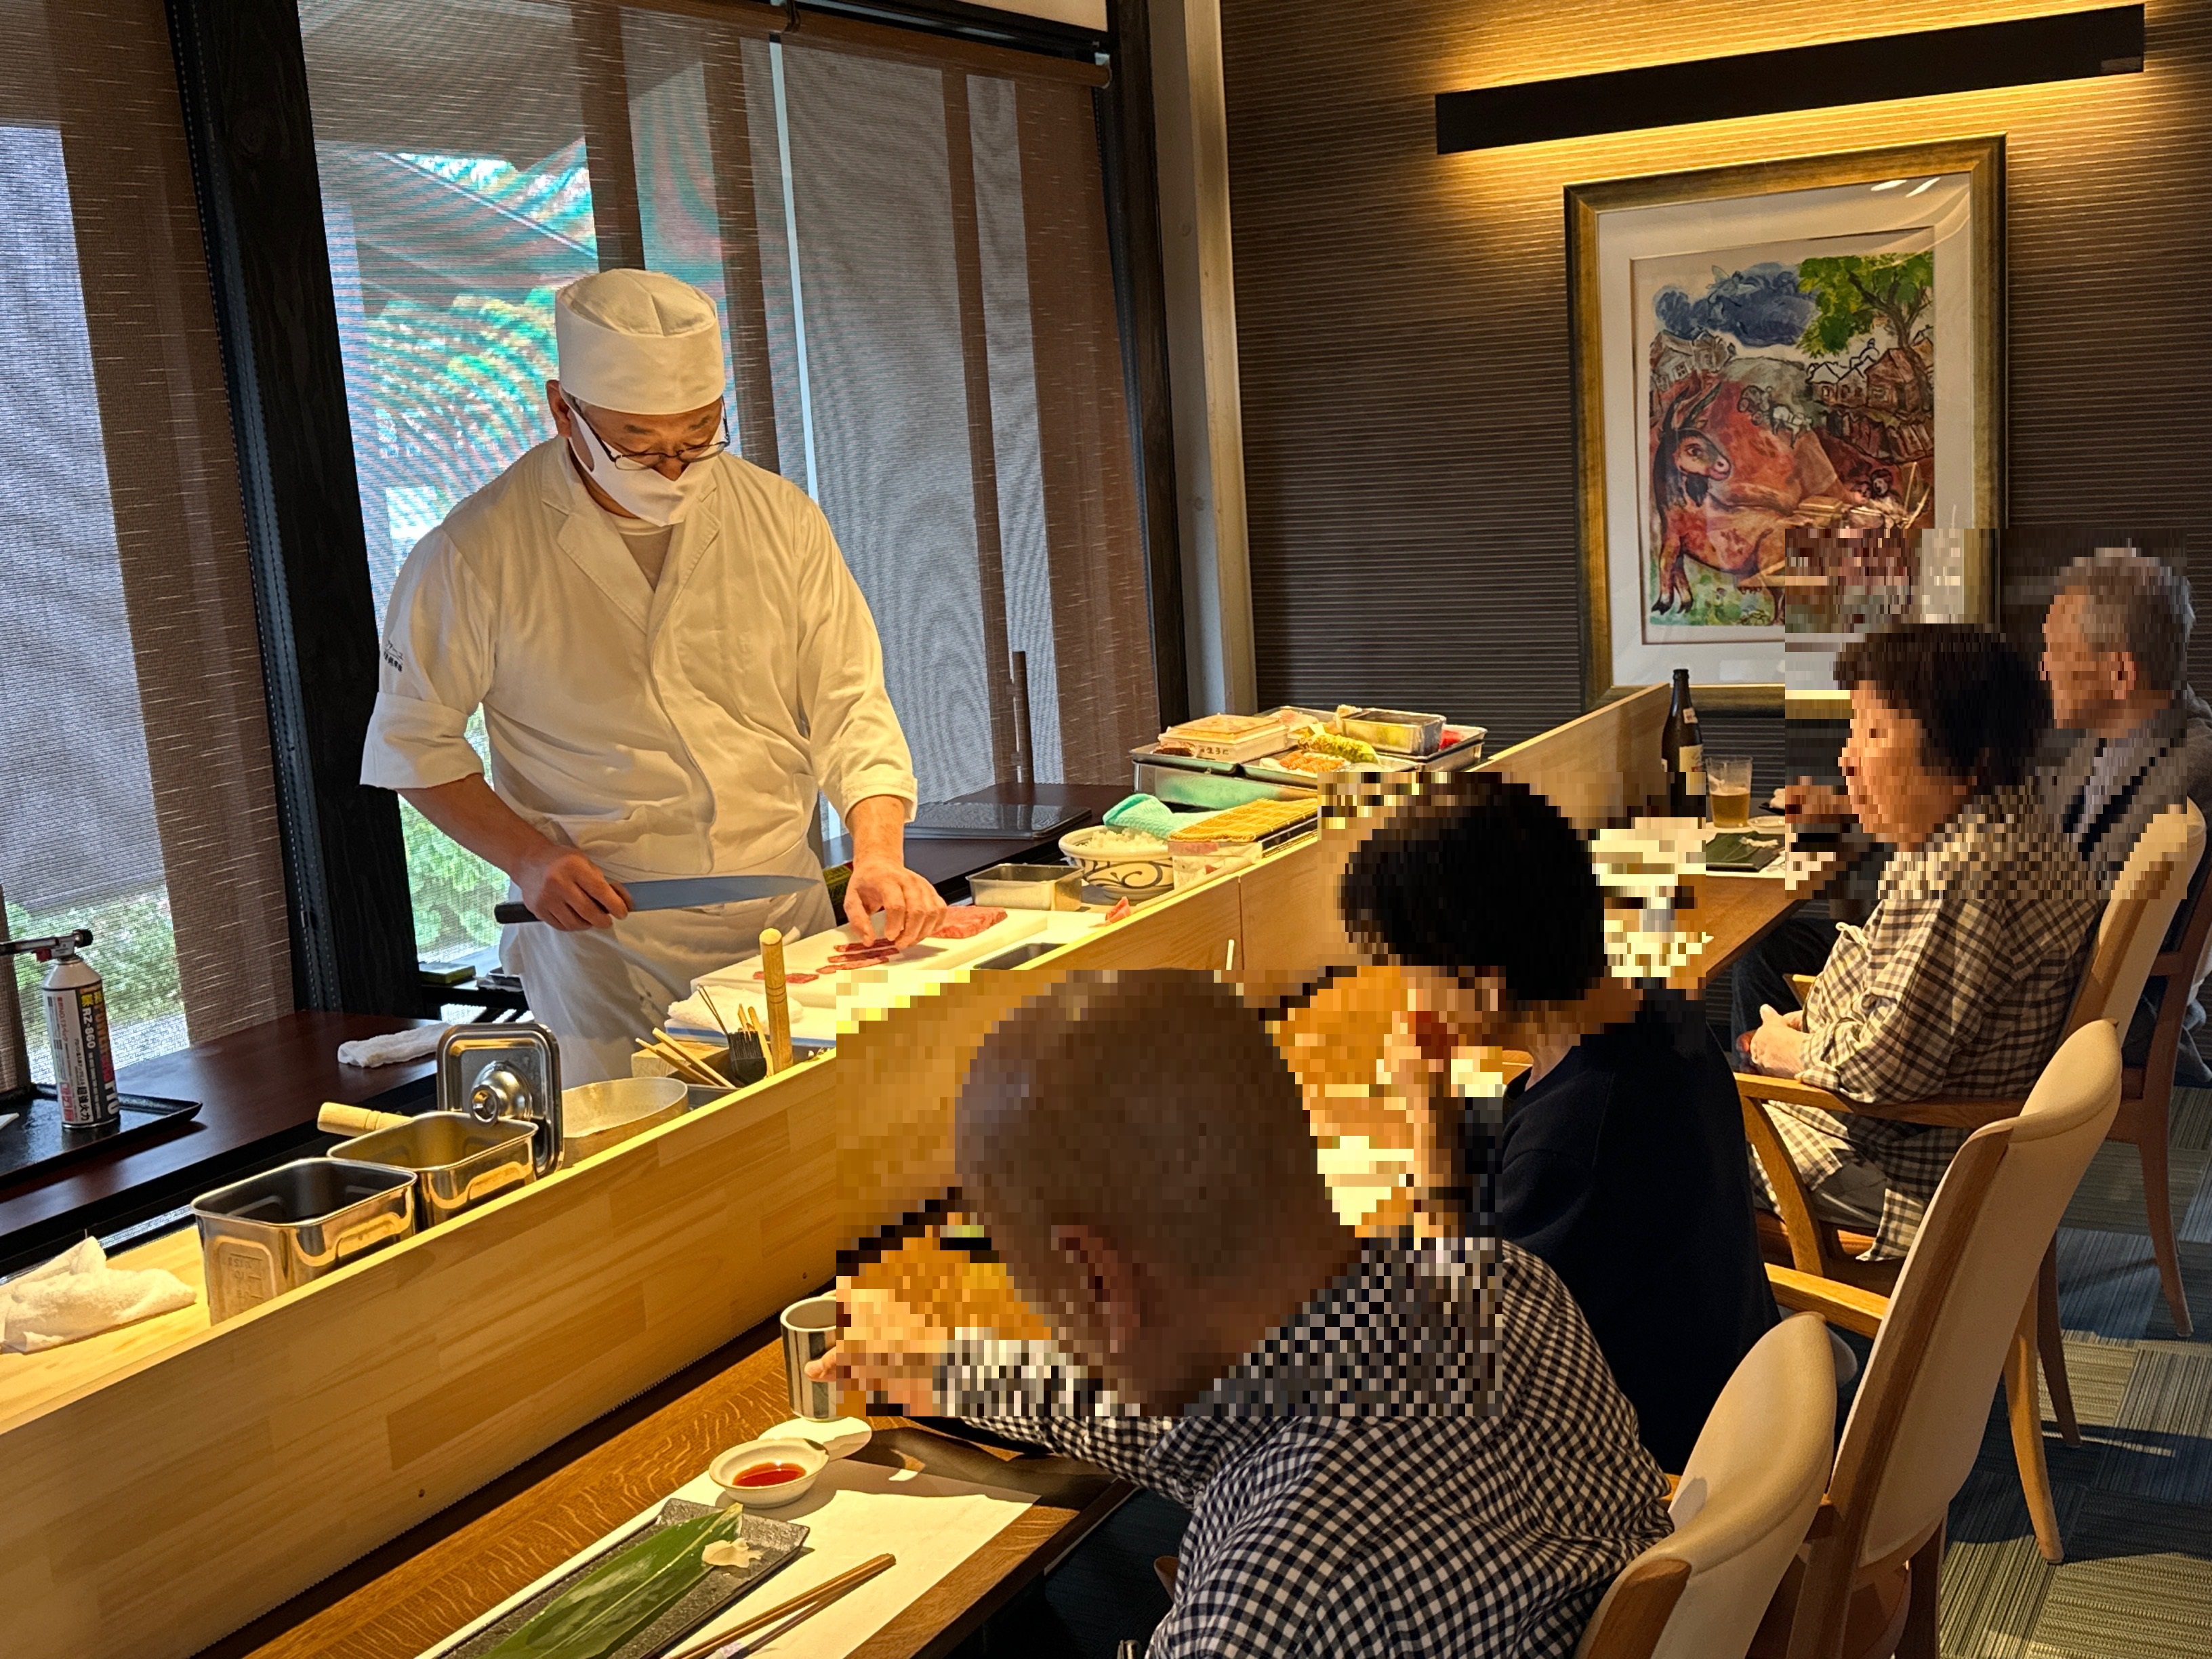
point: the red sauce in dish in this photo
(768, 1475)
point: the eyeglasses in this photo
(645, 460)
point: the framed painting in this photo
(1763, 355)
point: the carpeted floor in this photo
(2134, 1499)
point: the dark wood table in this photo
(425, 1584)
(258, 1091)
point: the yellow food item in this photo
(1251, 822)
(1350, 751)
(1306, 760)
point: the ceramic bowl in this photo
(726, 1470)
(1128, 872)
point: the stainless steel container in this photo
(1394, 731)
(492, 1071)
(458, 1161)
(271, 1233)
(1029, 887)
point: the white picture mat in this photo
(1626, 234)
(855, 1511)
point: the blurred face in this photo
(2090, 688)
(1898, 795)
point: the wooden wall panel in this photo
(1402, 319)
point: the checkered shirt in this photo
(1958, 985)
(1431, 1460)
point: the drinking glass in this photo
(1728, 784)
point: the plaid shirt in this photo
(1959, 984)
(1431, 1460)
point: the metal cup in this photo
(810, 1328)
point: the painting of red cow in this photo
(1788, 386)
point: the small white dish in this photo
(839, 1436)
(728, 1471)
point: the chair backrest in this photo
(1918, 1421)
(2148, 890)
(1753, 1480)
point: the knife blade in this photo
(684, 893)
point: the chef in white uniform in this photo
(673, 659)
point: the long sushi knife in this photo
(684, 893)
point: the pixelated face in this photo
(1898, 795)
(2086, 682)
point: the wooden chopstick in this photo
(686, 1066)
(813, 1602)
(713, 1075)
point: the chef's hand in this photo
(880, 879)
(910, 905)
(1778, 1047)
(565, 890)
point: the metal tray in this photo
(780, 1543)
(1260, 771)
(37, 1138)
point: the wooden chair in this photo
(1753, 1482)
(2145, 898)
(2145, 1094)
(1867, 1582)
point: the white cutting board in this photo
(814, 1005)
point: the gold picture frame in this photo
(1613, 226)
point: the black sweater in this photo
(1626, 1170)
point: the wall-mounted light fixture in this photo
(2068, 46)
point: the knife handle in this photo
(511, 913)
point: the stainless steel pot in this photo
(271, 1233)
(458, 1162)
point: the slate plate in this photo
(778, 1541)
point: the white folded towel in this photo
(78, 1295)
(393, 1048)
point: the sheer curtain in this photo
(910, 255)
(134, 744)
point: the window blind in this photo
(134, 747)
(906, 236)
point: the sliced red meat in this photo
(966, 920)
(793, 979)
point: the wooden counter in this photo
(168, 1486)
(259, 1090)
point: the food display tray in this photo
(779, 1542)
(37, 1138)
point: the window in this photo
(133, 737)
(911, 262)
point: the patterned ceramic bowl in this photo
(1120, 860)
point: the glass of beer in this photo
(1729, 786)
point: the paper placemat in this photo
(855, 1511)
(931, 1523)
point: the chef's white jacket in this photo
(680, 730)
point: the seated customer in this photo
(1621, 1161)
(1960, 981)
(2133, 738)
(1387, 1449)
(2115, 655)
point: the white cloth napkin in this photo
(393, 1048)
(78, 1295)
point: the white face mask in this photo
(652, 497)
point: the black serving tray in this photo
(779, 1542)
(38, 1138)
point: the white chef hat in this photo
(639, 342)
